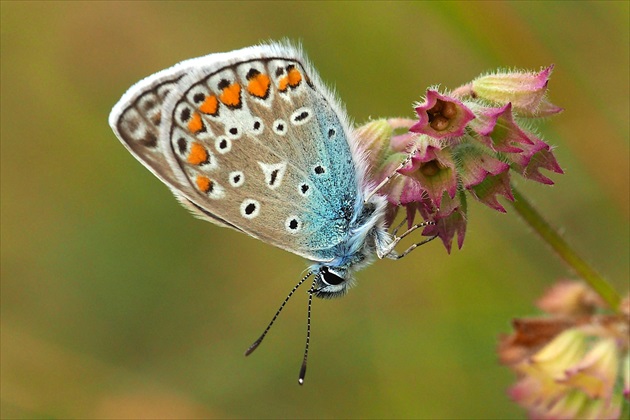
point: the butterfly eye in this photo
(331, 278)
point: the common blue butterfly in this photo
(252, 140)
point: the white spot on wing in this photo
(257, 126)
(280, 127)
(250, 208)
(304, 189)
(273, 173)
(217, 192)
(237, 178)
(301, 116)
(223, 145)
(293, 224)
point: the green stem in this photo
(549, 235)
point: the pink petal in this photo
(534, 157)
(491, 187)
(441, 116)
(504, 135)
(432, 170)
(450, 221)
(475, 164)
(486, 117)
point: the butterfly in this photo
(252, 140)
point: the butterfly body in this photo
(252, 140)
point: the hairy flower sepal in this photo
(441, 116)
(373, 139)
(525, 90)
(497, 129)
(433, 168)
(482, 174)
(534, 157)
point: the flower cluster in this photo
(463, 141)
(574, 363)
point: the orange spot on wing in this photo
(204, 183)
(198, 154)
(210, 105)
(231, 95)
(283, 84)
(295, 77)
(292, 79)
(259, 85)
(195, 124)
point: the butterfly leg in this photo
(395, 230)
(388, 251)
(412, 247)
(414, 227)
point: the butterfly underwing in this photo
(253, 140)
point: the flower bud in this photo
(525, 90)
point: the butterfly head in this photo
(331, 282)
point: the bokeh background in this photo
(117, 303)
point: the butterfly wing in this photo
(137, 121)
(250, 140)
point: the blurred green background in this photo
(117, 303)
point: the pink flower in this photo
(441, 116)
(433, 168)
(491, 187)
(497, 129)
(463, 142)
(568, 365)
(483, 175)
(450, 220)
(534, 157)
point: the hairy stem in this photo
(577, 263)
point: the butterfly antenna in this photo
(391, 175)
(256, 343)
(308, 334)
